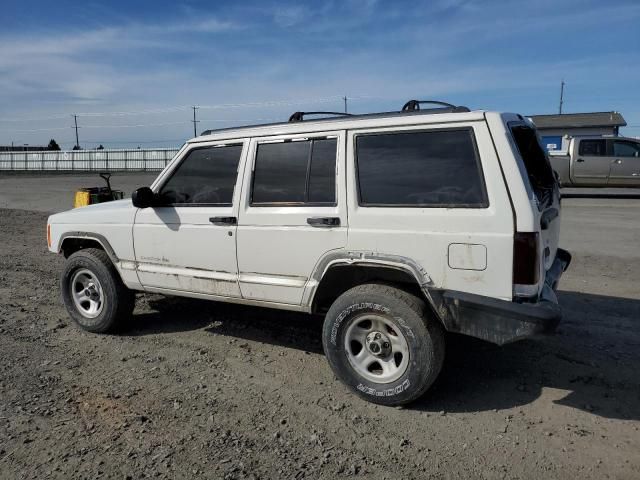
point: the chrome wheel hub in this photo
(87, 294)
(376, 348)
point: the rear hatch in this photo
(544, 191)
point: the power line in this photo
(177, 108)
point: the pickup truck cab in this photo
(396, 227)
(598, 162)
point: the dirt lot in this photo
(204, 390)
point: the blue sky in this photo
(131, 69)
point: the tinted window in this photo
(626, 149)
(295, 172)
(205, 176)
(437, 168)
(592, 148)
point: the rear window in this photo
(437, 168)
(592, 148)
(301, 172)
(535, 161)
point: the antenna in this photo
(561, 96)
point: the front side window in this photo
(295, 172)
(626, 149)
(592, 148)
(438, 168)
(206, 176)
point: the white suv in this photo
(396, 226)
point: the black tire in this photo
(408, 314)
(116, 300)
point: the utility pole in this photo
(75, 120)
(195, 122)
(561, 96)
(345, 103)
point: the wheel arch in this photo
(339, 272)
(71, 242)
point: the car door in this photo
(625, 167)
(186, 243)
(591, 164)
(292, 212)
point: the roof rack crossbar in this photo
(414, 105)
(299, 116)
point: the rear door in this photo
(292, 212)
(625, 165)
(591, 163)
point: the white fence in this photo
(88, 160)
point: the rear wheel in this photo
(383, 343)
(93, 292)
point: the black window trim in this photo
(305, 138)
(184, 157)
(476, 206)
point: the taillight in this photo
(48, 235)
(526, 269)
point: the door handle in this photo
(580, 160)
(224, 220)
(618, 161)
(635, 174)
(324, 221)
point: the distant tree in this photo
(77, 147)
(53, 145)
(100, 147)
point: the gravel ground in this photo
(195, 389)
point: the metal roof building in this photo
(553, 128)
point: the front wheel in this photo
(383, 343)
(93, 292)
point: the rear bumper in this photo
(501, 321)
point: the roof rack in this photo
(299, 116)
(414, 105)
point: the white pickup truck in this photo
(395, 226)
(598, 162)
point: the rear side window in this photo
(206, 176)
(438, 168)
(592, 148)
(295, 172)
(535, 160)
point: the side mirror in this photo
(143, 197)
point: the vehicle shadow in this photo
(589, 364)
(264, 325)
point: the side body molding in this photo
(362, 258)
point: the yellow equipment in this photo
(90, 195)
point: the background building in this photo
(553, 128)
